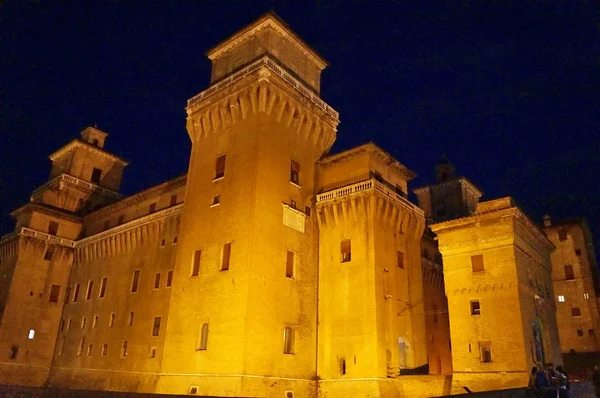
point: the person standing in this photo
(596, 380)
(563, 382)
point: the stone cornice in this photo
(268, 20)
(265, 62)
(138, 197)
(46, 237)
(64, 179)
(46, 209)
(78, 143)
(373, 149)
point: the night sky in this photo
(510, 93)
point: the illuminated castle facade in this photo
(272, 268)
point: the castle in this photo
(274, 268)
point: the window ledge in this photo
(294, 184)
(218, 179)
(215, 204)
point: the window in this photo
(31, 334)
(477, 262)
(102, 292)
(586, 296)
(96, 175)
(475, 308)
(49, 253)
(485, 349)
(226, 256)
(14, 350)
(169, 278)
(569, 274)
(88, 294)
(62, 325)
(173, 200)
(156, 326)
(89, 350)
(578, 252)
(196, 262)
(220, 167)
(342, 366)
(575, 312)
(561, 299)
(307, 211)
(152, 352)
(289, 264)
(104, 349)
(400, 259)
(69, 324)
(76, 293)
(111, 320)
(83, 322)
(121, 219)
(157, 281)
(562, 234)
(591, 332)
(95, 321)
(293, 203)
(124, 349)
(216, 200)
(175, 239)
(288, 340)
(289, 394)
(580, 332)
(295, 172)
(203, 337)
(163, 242)
(135, 281)
(193, 390)
(346, 251)
(152, 208)
(81, 345)
(52, 227)
(54, 293)
(130, 319)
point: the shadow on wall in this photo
(580, 389)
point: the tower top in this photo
(268, 36)
(94, 136)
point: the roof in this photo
(77, 142)
(455, 179)
(270, 19)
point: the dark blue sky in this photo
(510, 93)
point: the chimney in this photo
(547, 221)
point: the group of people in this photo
(550, 382)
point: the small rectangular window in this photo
(175, 239)
(89, 350)
(575, 312)
(49, 253)
(203, 340)
(580, 332)
(96, 175)
(295, 172)
(76, 293)
(216, 200)
(346, 251)
(90, 287)
(591, 333)
(561, 299)
(586, 296)
(111, 320)
(569, 274)
(152, 208)
(288, 340)
(477, 263)
(54, 293)
(196, 262)
(226, 256)
(130, 319)
(104, 349)
(102, 292)
(173, 200)
(169, 278)
(342, 366)
(293, 203)
(135, 281)
(400, 257)
(83, 322)
(475, 308)
(289, 264)
(14, 350)
(157, 281)
(578, 252)
(220, 167)
(156, 326)
(562, 234)
(124, 349)
(69, 324)
(81, 346)
(485, 348)
(95, 322)
(152, 352)
(163, 242)
(52, 228)
(307, 211)
(62, 325)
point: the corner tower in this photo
(244, 301)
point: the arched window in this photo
(288, 340)
(203, 337)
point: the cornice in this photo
(462, 180)
(86, 186)
(138, 197)
(268, 20)
(46, 209)
(78, 143)
(46, 237)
